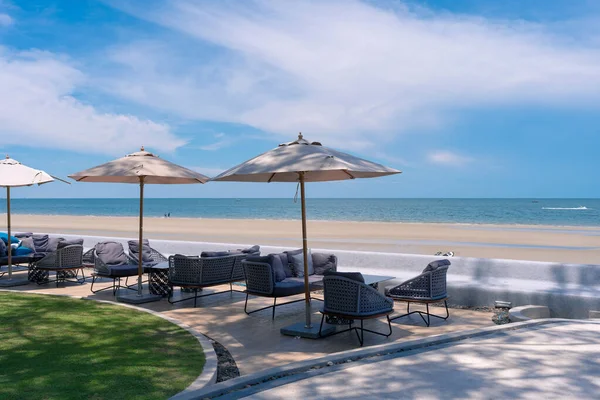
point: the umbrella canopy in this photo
(141, 168)
(319, 164)
(130, 168)
(303, 161)
(15, 174)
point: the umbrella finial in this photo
(299, 135)
(142, 148)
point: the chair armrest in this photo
(89, 256)
(260, 277)
(49, 260)
(419, 286)
(99, 266)
(372, 302)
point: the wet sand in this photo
(522, 242)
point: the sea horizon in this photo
(497, 211)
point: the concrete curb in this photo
(528, 312)
(284, 373)
(209, 372)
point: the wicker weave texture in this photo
(349, 297)
(203, 271)
(427, 286)
(259, 277)
(66, 257)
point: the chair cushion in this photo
(53, 243)
(111, 253)
(41, 243)
(13, 240)
(3, 252)
(274, 261)
(432, 266)
(70, 242)
(27, 241)
(355, 276)
(146, 251)
(17, 259)
(124, 270)
(298, 264)
(215, 254)
(22, 251)
(323, 262)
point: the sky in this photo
(469, 98)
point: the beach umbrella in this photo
(303, 161)
(140, 168)
(15, 174)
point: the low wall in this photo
(568, 290)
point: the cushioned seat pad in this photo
(292, 286)
(18, 259)
(124, 270)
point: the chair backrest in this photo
(437, 282)
(259, 276)
(353, 298)
(238, 269)
(110, 253)
(217, 269)
(150, 256)
(202, 270)
(184, 269)
(70, 256)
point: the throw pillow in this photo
(298, 264)
(432, 266)
(70, 242)
(251, 250)
(4, 237)
(3, 252)
(22, 251)
(53, 243)
(111, 253)
(355, 276)
(28, 242)
(41, 243)
(215, 254)
(324, 262)
(146, 252)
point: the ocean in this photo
(576, 212)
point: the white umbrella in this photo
(15, 174)
(303, 161)
(141, 168)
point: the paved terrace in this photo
(254, 340)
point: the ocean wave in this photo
(566, 208)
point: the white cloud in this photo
(448, 158)
(219, 144)
(37, 108)
(6, 20)
(345, 72)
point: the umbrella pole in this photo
(307, 309)
(8, 226)
(140, 267)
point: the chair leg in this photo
(422, 314)
(264, 308)
(274, 305)
(321, 326)
(195, 297)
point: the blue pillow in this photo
(4, 237)
(22, 251)
(3, 252)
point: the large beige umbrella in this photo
(15, 174)
(140, 168)
(303, 161)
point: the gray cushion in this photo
(53, 243)
(21, 235)
(146, 252)
(286, 265)
(124, 270)
(355, 276)
(298, 264)
(432, 266)
(41, 243)
(70, 242)
(3, 252)
(251, 250)
(215, 254)
(27, 241)
(111, 253)
(323, 262)
(293, 286)
(274, 261)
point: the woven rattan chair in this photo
(197, 273)
(349, 300)
(156, 256)
(66, 262)
(114, 272)
(427, 288)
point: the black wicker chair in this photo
(347, 298)
(66, 262)
(196, 273)
(103, 268)
(427, 288)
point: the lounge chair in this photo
(110, 261)
(427, 288)
(276, 276)
(196, 273)
(348, 298)
(66, 262)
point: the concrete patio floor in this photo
(254, 340)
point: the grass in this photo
(61, 348)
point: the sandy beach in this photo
(539, 243)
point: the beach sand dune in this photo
(539, 243)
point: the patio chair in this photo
(196, 273)
(427, 288)
(66, 262)
(348, 298)
(150, 256)
(110, 261)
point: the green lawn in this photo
(61, 348)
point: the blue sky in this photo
(469, 98)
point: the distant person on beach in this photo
(169, 215)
